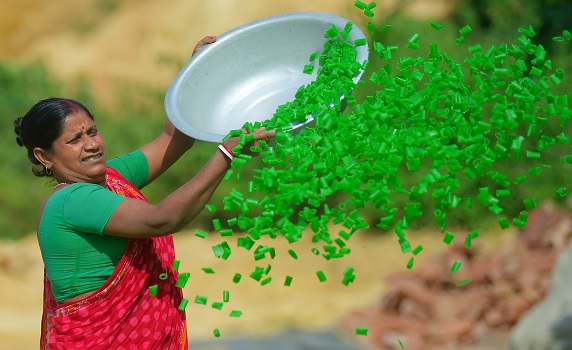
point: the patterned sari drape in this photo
(121, 314)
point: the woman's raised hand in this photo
(259, 134)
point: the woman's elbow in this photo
(166, 227)
(145, 224)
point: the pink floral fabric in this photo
(121, 314)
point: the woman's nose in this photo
(91, 143)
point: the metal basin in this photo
(249, 72)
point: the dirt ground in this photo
(307, 304)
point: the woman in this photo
(102, 243)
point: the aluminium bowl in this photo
(249, 72)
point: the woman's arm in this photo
(171, 144)
(165, 150)
(134, 218)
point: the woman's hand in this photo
(203, 42)
(259, 134)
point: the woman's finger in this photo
(203, 42)
(263, 134)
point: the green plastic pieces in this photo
(432, 125)
(410, 263)
(366, 8)
(199, 299)
(348, 276)
(183, 304)
(456, 265)
(237, 277)
(436, 25)
(448, 237)
(182, 280)
(200, 234)
(235, 313)
(463, 282)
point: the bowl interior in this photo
(248, 73)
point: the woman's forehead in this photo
(76, 122)
(78, 119)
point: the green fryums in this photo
(430, 116)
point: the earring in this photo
(48, 172)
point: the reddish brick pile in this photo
(424, 308)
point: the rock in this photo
(548, 325)
(425, 309)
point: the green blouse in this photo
(77, 256)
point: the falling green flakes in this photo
(235, 313)
(183, 304)
(433, 124)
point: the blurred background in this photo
(119, 57)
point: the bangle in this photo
(227, 151)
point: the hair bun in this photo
(18, 131)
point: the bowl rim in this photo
(173, 90)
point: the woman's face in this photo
(78, 154)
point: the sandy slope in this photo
(148, 41)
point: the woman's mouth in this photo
(93, 158)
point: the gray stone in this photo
(548, 325)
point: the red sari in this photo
(121, 314)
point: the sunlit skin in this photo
(78, 154)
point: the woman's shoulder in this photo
(66, 196)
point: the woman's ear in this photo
(43, 157)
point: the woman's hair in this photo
(42, 125)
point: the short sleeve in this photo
(133, 167)
(88, 207)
